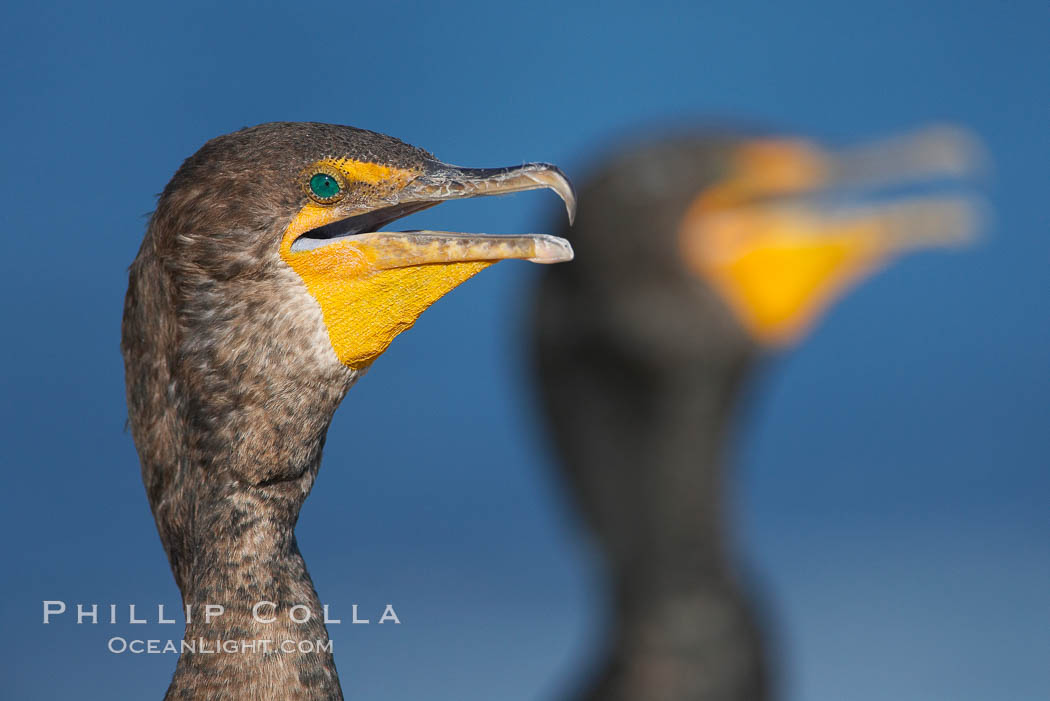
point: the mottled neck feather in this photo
(247, 558)
(228, 456)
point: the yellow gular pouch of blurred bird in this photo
(364, 309)
(778, 270)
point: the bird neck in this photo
(686, 437)
(657, 498)
(254, 621)
(229, 424)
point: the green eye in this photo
(324, 186)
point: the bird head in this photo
(294, 212)
(265, 285)
(718, 243)
(790, 226)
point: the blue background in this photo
(892, 485)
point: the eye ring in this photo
(324, 184)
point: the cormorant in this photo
(263, 289)
(697, 253)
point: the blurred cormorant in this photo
(697, 253)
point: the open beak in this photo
(437, 183)
(869, 189)
(371, 285)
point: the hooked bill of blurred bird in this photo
(263, 289)
(698, 252)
